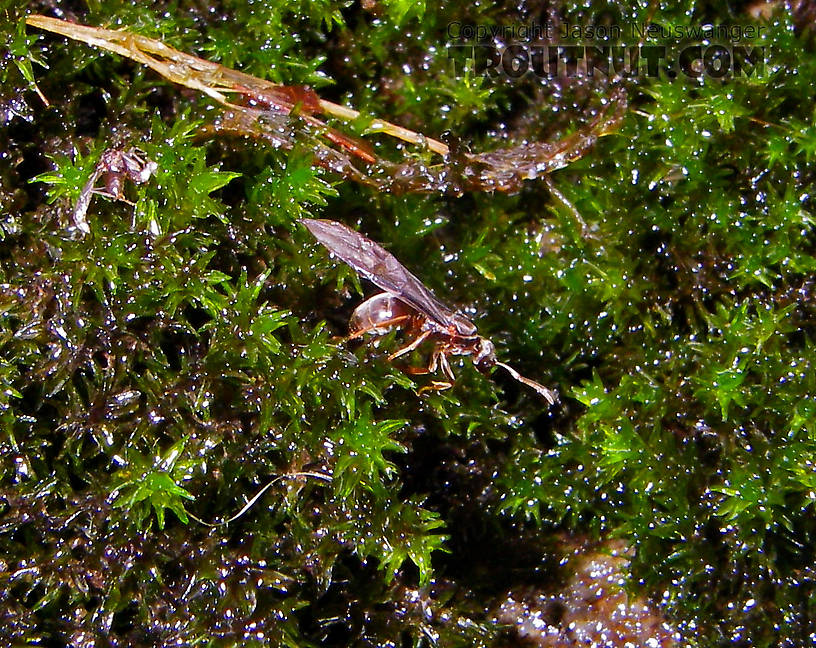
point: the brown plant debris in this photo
(280, 114)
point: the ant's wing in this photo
(378, 266)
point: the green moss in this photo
(189, 351)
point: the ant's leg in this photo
(431, 368)
(434, 364)
(435, 386)
(446, 368)
(421, 371)
(415, 371)
(396, 321)
(413, 345)
(114, 196)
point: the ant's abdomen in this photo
(379, 314)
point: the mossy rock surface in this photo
(159, 371)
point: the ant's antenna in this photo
(549, 394)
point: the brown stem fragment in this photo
(280, 114)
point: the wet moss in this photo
(158, 372)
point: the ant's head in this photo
(485, 355)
